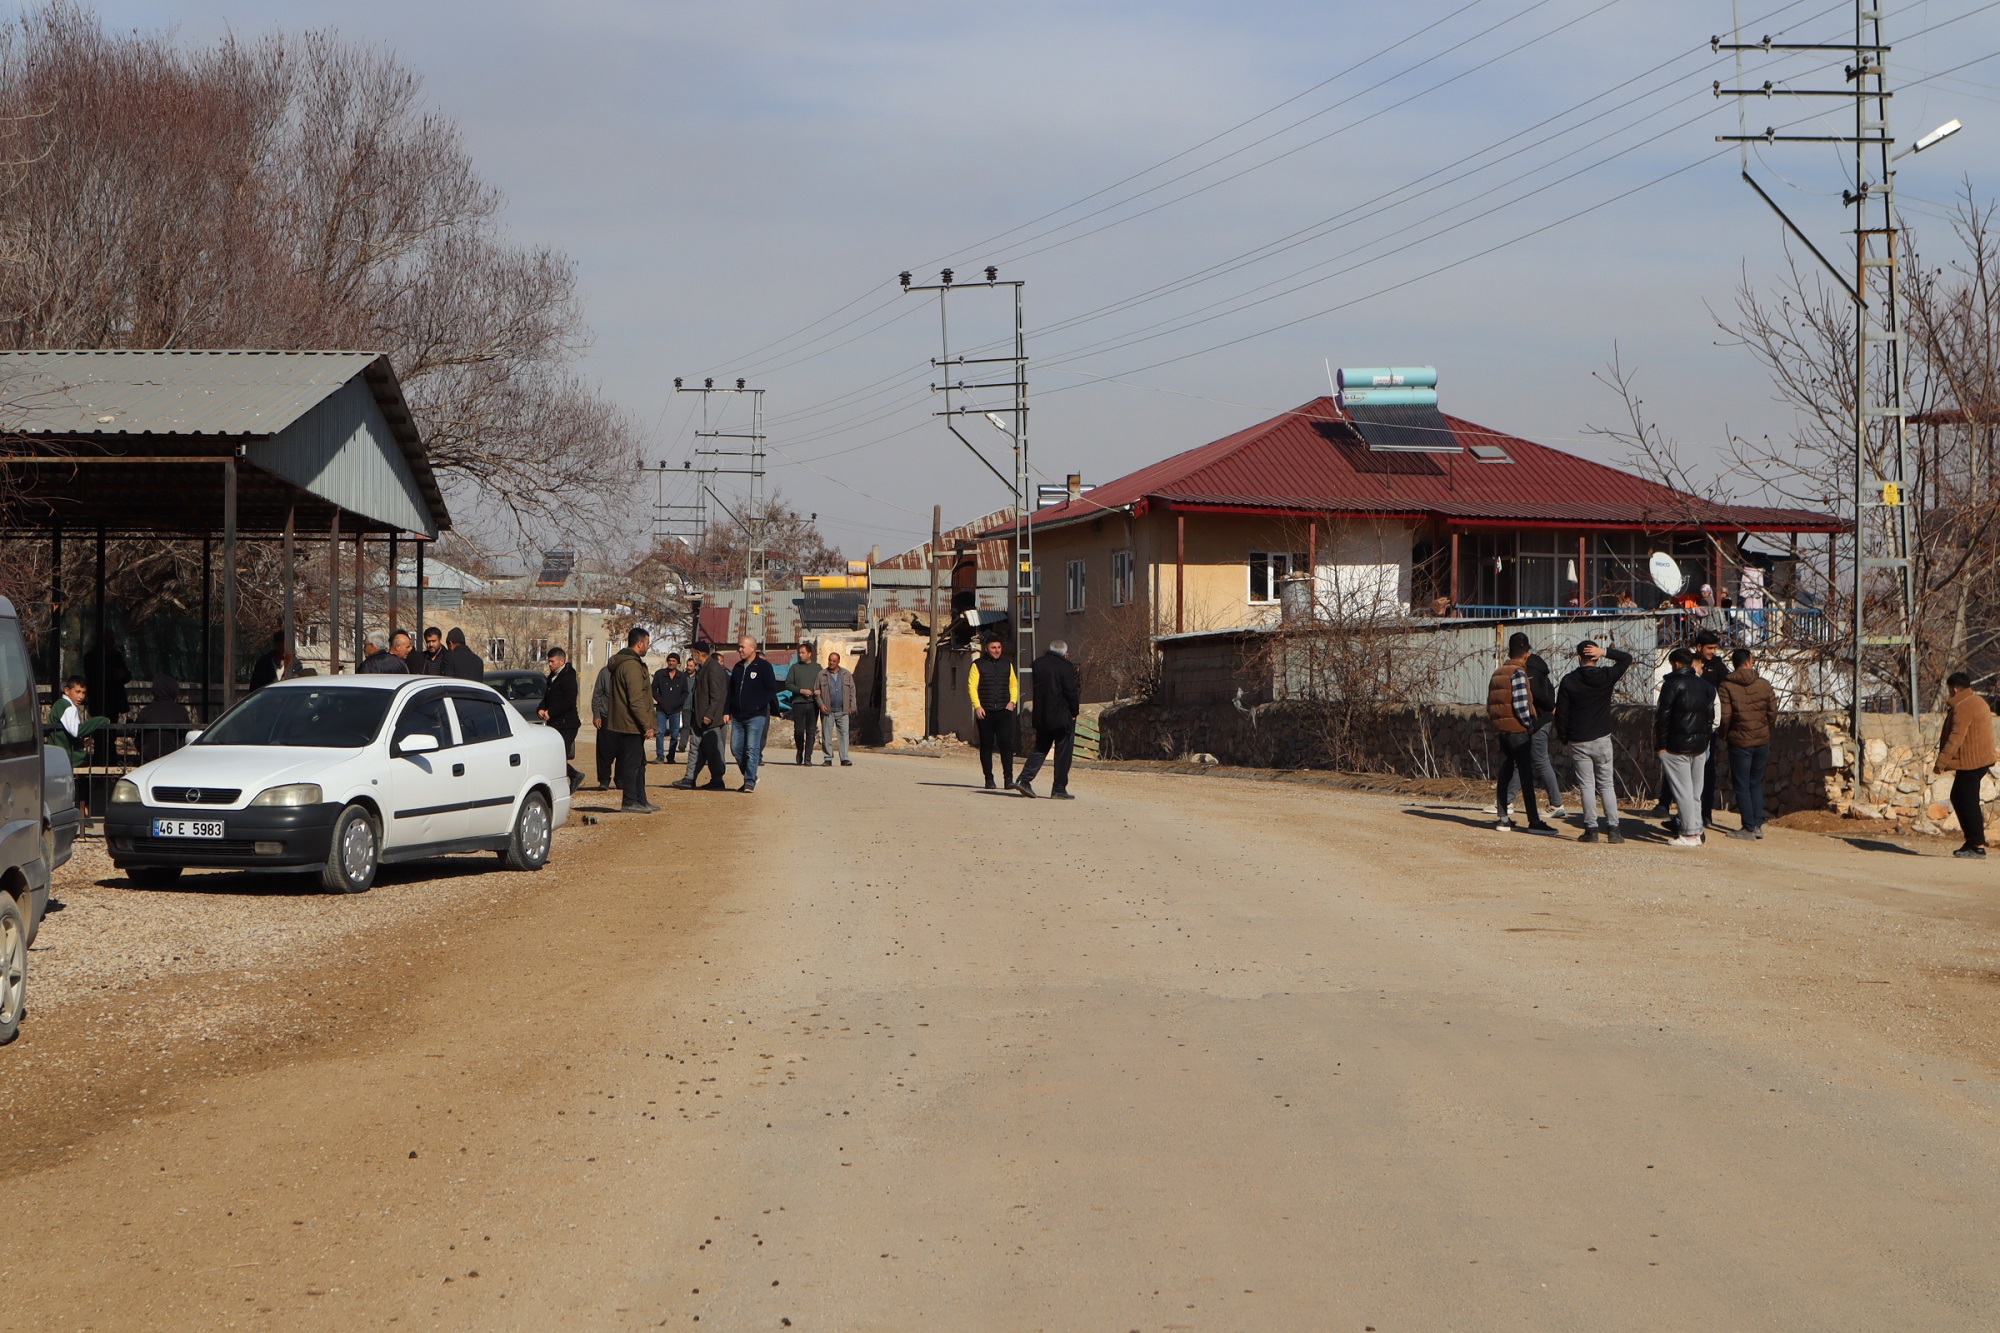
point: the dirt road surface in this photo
(873, 1049)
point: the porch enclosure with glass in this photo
(1551, 570)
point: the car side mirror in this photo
(421, 742)
(191, 738)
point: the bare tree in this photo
(290, 193)
(793, 548)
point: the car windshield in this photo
(520, 687)
(324, 717)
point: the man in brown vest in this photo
(1510, 708)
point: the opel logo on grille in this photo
(193, 796)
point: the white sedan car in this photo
(339, 774)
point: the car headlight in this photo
(293, 793)
(126, 792)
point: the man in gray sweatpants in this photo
(1583, 722)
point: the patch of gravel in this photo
(102, 934)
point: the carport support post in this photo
(359, 542)
(55, 614)
(290, 629)
(393, 576)
(333, 596)
(207, 624)
(417, 628)
(228, 582)
(102, 678)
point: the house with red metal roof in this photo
(1393, 512)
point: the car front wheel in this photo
(528, 848)
(13, 968)
(355, 855)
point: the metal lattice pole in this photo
(1882, 533)
(1022, 603)
(756, 565)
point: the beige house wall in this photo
(1367, 559)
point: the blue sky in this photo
(726, 175)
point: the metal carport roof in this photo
(132, 441)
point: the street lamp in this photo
(1936, 136)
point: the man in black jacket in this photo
(558, 709)
(459, 660)
(1583, 722)
(708, 699)
(1058, 699)
(1683, 731)
(670, 696)
(425, 663)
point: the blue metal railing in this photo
(1736, 625)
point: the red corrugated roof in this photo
(992, 552)
(1309, 460)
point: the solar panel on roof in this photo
(1414, 428)
(557, 566)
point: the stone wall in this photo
(1809, 768)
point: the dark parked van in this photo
(38, 819)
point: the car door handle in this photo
(514, 760)
(458, 770)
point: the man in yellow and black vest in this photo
(995, 688)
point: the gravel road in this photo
(873, 1049)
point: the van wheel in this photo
(153, 877)
(528, 848)
(13, 968)
(356, 853)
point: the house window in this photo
(589, 651)
(1073, 586)
(1121, 578)
(1267, 567)
(307, 636)
(538, 648)
(496, 650)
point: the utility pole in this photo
(756, 571)
(1882, 535)
(1010, 418)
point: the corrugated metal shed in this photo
(321, 431)
(1309, 461)
(992, 550)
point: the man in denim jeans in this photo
(753, 687)
(1583, 721)
(838, 704)
(670, 697)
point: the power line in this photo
(1011, 258)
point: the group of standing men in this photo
(1703, 709)
(707, 706)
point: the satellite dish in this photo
(1666, 572)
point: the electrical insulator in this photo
(739, 382)
(992, 273)
(946, 276)
(904, 277)
(708, 384)
(677, 381)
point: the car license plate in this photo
(187, 828)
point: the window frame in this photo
(1274, 566)
(1123, 569)
(1076, 585)
(449, 740)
